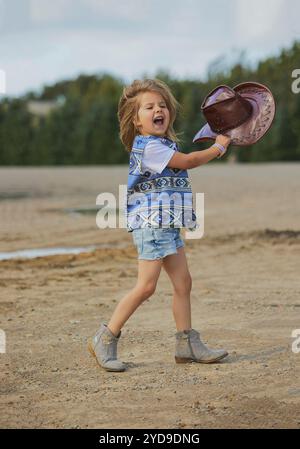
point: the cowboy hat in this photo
(244, 113)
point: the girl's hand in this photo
(223, 140)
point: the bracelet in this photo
(221, 148)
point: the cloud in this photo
(125, 9)
(44, 41)
(91, 12)
(49, 11)
(257, 19)
(267, 24)
(65, 54)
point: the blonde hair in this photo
(129, 105)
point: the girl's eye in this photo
(162, 106)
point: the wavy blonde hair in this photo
(129, 105)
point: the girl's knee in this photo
(146, 289)
(185, 285)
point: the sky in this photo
(45, 41)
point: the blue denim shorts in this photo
(156, 243)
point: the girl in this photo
(157, 170)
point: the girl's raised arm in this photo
(196, 158)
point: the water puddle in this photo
(89, 210)
(13, 195)
(41, 252)
(21, 195)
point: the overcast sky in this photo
(43, 41)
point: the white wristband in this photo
(221, 148)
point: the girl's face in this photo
(153, 114)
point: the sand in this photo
(245, 298)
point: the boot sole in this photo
(188, 360)
(91, 350)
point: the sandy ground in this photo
(245, 298)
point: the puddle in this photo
(41, 252)
(89, 210)
(13, 195)
(16, 195)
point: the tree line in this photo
(84, 129)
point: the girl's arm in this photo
(196, 158)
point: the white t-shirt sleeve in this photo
(156, 156)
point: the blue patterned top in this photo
(157, 199)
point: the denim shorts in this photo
(156, 243)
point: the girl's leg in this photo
(177, 269)
(148, 274)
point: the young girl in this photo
(157, 170)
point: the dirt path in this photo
(245, 298)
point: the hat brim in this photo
(251, 131)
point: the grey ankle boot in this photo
(103, 346)
(189, 348)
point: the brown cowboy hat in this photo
(244, 113)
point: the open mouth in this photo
(158, 121)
